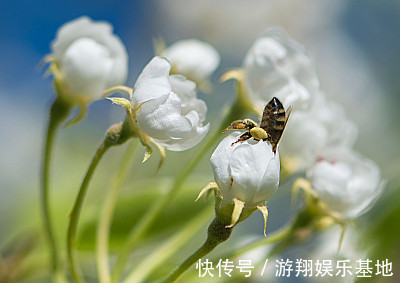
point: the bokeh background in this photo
(355, 45)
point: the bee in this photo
(272, 125)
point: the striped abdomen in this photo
(273, 121)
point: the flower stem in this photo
(58, 113)
(74, 216)
(116, 135)
(147, 221)
(103, 228)
(217, 233)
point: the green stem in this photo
(58, 113)
(74, 217)
(217, 233)
(116, 135)
(235, 112)
(103, 228)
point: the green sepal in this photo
(161, 149)
(79, 117)
(120, 101)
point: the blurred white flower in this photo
(193, 58)
(345, 181)
(248, 171)
(276, 65)
(324, 125)
(170, 113)
(89, 59)
(327, 247)
(181, 18)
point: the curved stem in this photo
(147, 221)
(116, 135)
(217, 233)
(205, 249)
(58, 113)
(74, 216)
(103, 228)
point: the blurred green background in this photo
(355, 46)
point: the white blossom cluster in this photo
(88, 59)
(318, 139)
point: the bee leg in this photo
(236, 125)
(245, 124)
(243, 137)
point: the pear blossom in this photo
(276, 65)
(248, 171)
(170, 113)
(324, 125)
(345, 181)
(193, 58)
(88, 58)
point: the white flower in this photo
(324, 125)
(248, 171)
(327, 247)
(192, 58)
(345, 181)
(278, 66)
(89, 59)
(170, 112)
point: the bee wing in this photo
(287, 114)
(288, 111)
(265, 117)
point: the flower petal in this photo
(193, 58)
(278, 66)
(220, 160)
(193, 138)
(161, 118)
(252, 182)
(153, 82)
(186, 90)
(86, 65)
(345, 181)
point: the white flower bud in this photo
(193, 58)
(89, 59)
(324, 125)
(345, 181)
(248, 171)
(170, 112)
(276, 65)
